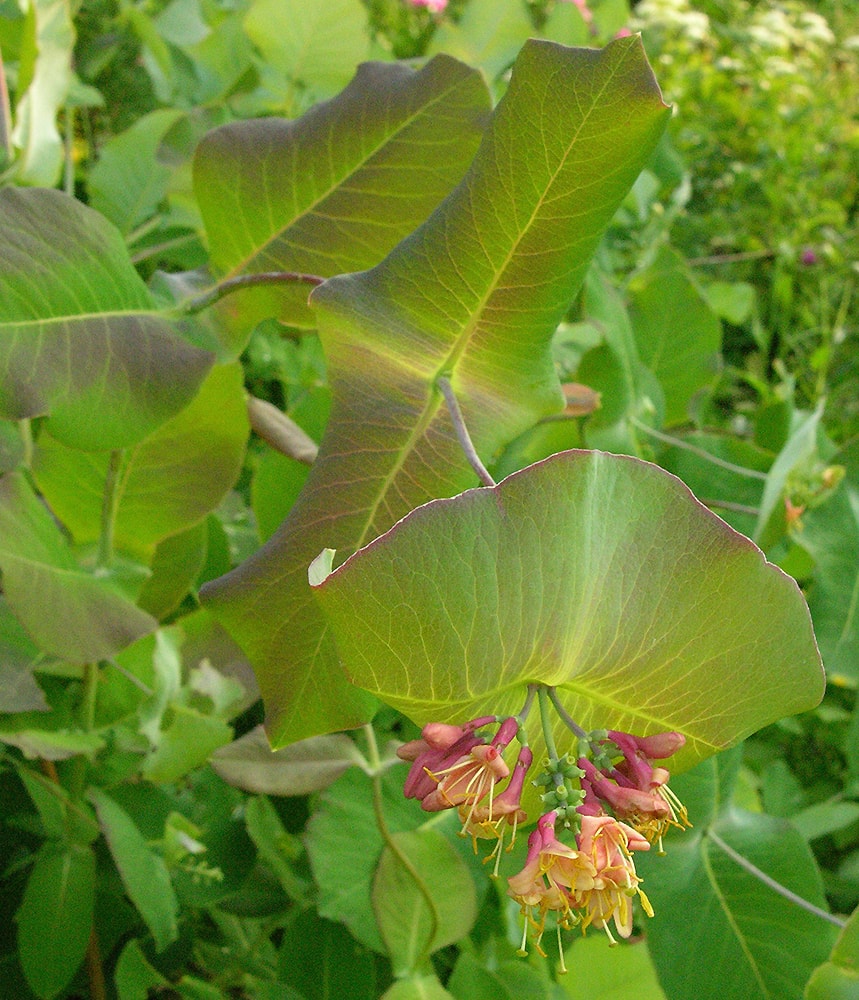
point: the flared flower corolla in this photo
(468, 780)
(488, 817)
(608, 844)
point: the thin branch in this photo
(95, 972)
(771, 882)
(249, 281)
(462, 432)
(731, 258)
(737, 508)
(740, 470)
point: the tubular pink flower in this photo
(420, 781)
(487, 818)
(468, 779)
(639, 792)
(544, 884)
(608, 844)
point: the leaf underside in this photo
(598, 574)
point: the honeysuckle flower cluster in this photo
(602, 803)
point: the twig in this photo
(737, 508)
(771, 882)
(249, 281)
(462, 432)
(730, 258)
(740, 470)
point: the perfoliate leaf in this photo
(80, 339)
(474, 294)
(598, 574)
(336, 189)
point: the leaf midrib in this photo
(729, 918)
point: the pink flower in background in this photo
(436, 6)
(584, 10)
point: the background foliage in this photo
(151, 843)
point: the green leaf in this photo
(89, 619)
(595, 573)
(55, 917)
(423, 896)
(677, 333)
(44, 76)
(62, 819)
(335, 190)
(185, 744)
(799, 451)
(176, 564)
(610, 973)
(457, 298)
(134, 976)
(321, 961)
(167, 483)
(344, 844)
(417, 988)
(830, 533)
(80, 338)
(614, 369)
(12, 449)
(733, 301)
(19, 691)
(51, 744)
(719, 933)
(838, 979)
(307, 766)
(128, 182)
(314, 49)
(720, 469)
(510, 979)
(566, 25)
(489, 35)
(143, 872)
(275, 846)
(824, 818)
